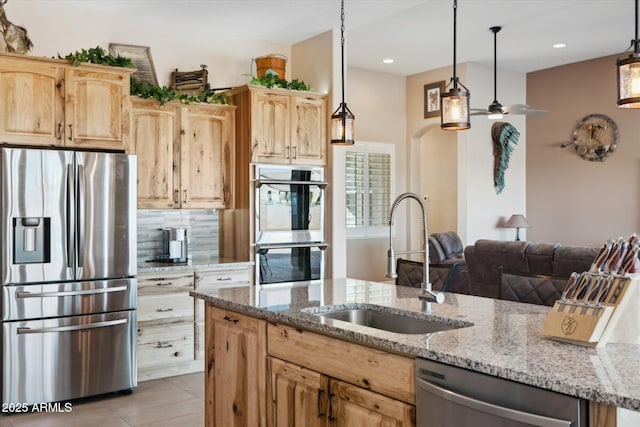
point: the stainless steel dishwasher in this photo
(447, 396)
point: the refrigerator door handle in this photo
(70, 293)
(71, 328)
(81, 224)
(70, 217)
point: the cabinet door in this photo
(308, 130)
(98, 109)
(235, 369)
(296, 397)
(352, 406)
(156, 133)
(206, 165)
(31, 103)
(270, 128)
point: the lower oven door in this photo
(65, 358)
(280, 263)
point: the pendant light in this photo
(342, 119)
(629, 74)
(454, 105)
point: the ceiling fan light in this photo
(629, 81)
(455, 110)
(342, 123)
(495, 116)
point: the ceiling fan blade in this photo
(479, 112)
(523, 109)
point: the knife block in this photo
(615, 320)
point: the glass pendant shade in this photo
(629, 81)
(342, 121)
(455, 110)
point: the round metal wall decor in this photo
(595, 137)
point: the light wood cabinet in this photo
(235, 375)
(185, 154)
(280, 126)
(296, 397)
(48, 102)
(166, 325)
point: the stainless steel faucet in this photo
(426, 293)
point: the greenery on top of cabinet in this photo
(164, 94)
(272, 80)
(97, 55)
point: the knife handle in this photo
(629, 260)
(570, 287)
(613, 258)
(599, 261)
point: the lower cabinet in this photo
(166, 326)
(266, 374)
(235, 375)
(299, 397)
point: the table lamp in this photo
(517, 222)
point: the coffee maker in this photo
(172, 245)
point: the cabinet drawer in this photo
(165, 344)
(225, 277)
(165, 283)
(386, 373)
(165, 308)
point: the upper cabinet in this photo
(185, 154)
(281, 126)
(48, 102)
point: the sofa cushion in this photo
(450, 243)
(540, 257)
(485, 257)
(569, 259)
(436, 254)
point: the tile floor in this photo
(168, 402)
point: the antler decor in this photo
(504, 136)
(15, 36)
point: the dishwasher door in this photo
(449, 396)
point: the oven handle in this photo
(261, 182)
(70, 293)
(488, 408)
(72, 328)
(320, 245)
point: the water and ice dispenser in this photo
(31, 240)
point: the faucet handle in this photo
(431, 296)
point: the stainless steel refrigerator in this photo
(68, 253)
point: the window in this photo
(369, 184)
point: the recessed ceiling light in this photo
(388, 60)
(559, 45)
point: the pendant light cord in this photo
(495, 64)
(455, 8)
(636, 42)
(342, 53)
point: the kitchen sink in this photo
(390, 321)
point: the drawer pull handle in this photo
(164, 284)
(222, 279)
(163, 345)
(164, 310)
(228, 319)
(331, 417)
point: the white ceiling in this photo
(418, 34)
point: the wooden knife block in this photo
(616, 320)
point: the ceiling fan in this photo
(495, 111)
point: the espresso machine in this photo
(173, 245)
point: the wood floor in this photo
(175, 401)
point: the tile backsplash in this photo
(201, 225)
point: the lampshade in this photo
(629, 74)
(454, 105)
(517, 221)
(342, 120)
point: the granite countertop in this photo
(504, 340)
(194, 264)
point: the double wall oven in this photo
(289, 223)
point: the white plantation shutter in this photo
(368, 186)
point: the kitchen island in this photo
(503, 340)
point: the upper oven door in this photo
(289, 204)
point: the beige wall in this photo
(456, 168)
(571, 200)
(378, 102)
